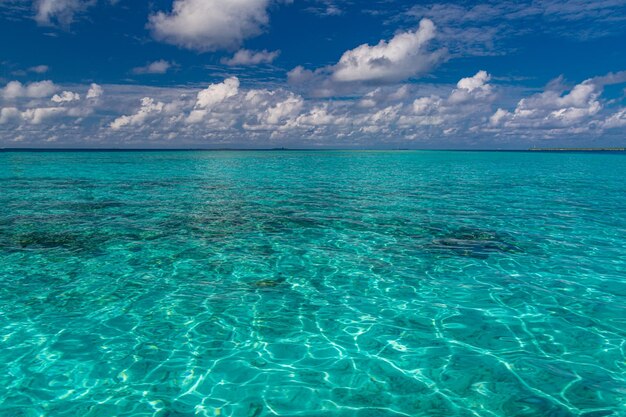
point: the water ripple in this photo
(312, 284)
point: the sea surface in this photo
(312, 283)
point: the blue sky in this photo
(312, 73)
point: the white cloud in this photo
(33, 106)
(94, 91)
(211, 96)
(498, 116)
(33, 116)
(407, 55)
(404, 56)
(60, 11)
(16, 89)
(38, 115)
(553, 108)
(157, 67)
(472, 94)
(217, 93)
(379, 96)
(471, 87)
(9, 113)
(287, 108)
(319, 116)
(299, 75)
(40, 89)
(65, 97)
(617, 119)
(227, 114)
(247, 57)
(478, 81)
(426, 105)
(148, 109)
(210, 25)
(39, 69)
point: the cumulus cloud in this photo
(213, 95)
(470, 93)
(217, 93)
(157, 67)
(320, 115)
(65, 97)
(38, 115)
(464, 108)
(553, 108)
(48, 12)
(16, 89)
(561, 110)
(9, 113)
(247, 57)
(405, 55)
(472, 87)
(94, 91)
(32, 106)
(32, 116)
(148, 109)
(415, 114)
(282, 110)
(210, 25)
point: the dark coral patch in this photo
(473, 242)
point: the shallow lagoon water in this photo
(312, 284)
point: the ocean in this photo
(312, 283)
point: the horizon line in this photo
(533, 149)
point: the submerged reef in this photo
(473, 242)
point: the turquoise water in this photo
(312, 284)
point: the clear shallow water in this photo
(312, 284)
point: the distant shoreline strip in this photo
(578, 149)
(617, 149)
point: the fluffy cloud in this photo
(9, 113)
(282, 110)
(280, 114)
(65, 97)
(553, 108)
(33, 116)
(16, 89)
(404, 56)
(32, 106)
(472, 88)
(467, 104)
(94, 91)
(210, 25)
(149, 108)
(157, 67)
(247, 57)
(217, 93)
(213, 95)
(413, 115)
(38, 115)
